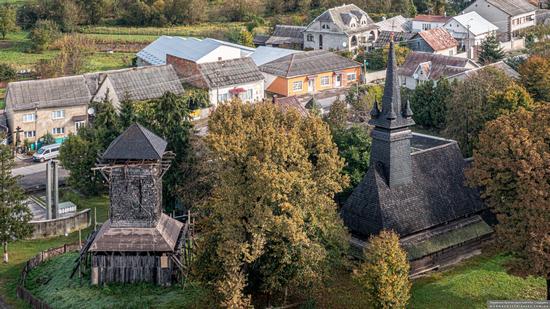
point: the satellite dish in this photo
(415, 76)
(344, 44)
(91, 111)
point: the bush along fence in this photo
(22, 292)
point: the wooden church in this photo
(415, 186)
(138, 243)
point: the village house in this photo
(345, 27)
(510, 16)
(397, 28)
(190, 48)
(437, 41)
(224, 80)
(500, 65)
(428, 22)
(287, 36)
(421, 66)
(310, 72)
(59, 105)
(415, 186)
(470, 30)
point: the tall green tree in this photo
(106, 122)
(468, 109)
(44, 33)
(429, 103)
(7, 19)
(271, 224)
(186, 11)
(490, 51)
(7, 72)
(337, 116)
(511, 166)
(384, 273)
(94, 10)
(535, 77)
(127, 114)
(246, 38)
(14, 213)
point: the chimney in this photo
(274, 99)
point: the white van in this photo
(46, 153)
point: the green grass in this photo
(50, 282)
(102, 61)
(21, 251)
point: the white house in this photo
(265, 54)
(427, 22)
(345, 27)
(193, 49)
(421, 66)
(510, 16)
(470, 29)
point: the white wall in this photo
(257, 88)
(416, 26)
(221, 53)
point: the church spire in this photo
(392, 113)
(391, 145)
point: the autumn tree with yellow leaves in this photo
(384, 273)
(271, 226)
(512, 168)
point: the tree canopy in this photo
(490, 51)
(271, 223)
(535, 77)
(512, 167)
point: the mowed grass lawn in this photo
(21, 251)
(15, 51)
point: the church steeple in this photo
(391, 146)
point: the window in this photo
(325, 26)
(325, 81)
(426, 26)
(250, 94)
(363, 22)
(58, 114)
(29, 134)
(310, 37)
(58, 131)
(222, 97)
(29, 117)
(79, 124)
(351, 77)
(297, 86)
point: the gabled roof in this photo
(230, 72)
(438, 39)
(288, 103)
(138, 84)
(513, 7)
(342, 15)
(501, 65)
(475, 23)
(136, 143)
(287, 34)
(432, 18)
(265, 54)
(47, 93)
(441, 65)
(189, 48)
(396, 24)
(162, 238)
(384, 38)
(436, 195)
(308, 63)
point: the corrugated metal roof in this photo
(476, 23)
(305, 63)
(189, 48)
(230, 72)
(513, 7)
(265, 54)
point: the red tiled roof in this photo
(432, 18)
(438, 39)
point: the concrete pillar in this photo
(49, 214)
(55, 192)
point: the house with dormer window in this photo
(345, 27)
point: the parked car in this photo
(46, 153)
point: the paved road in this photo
(33, 176)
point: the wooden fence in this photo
(38, 259)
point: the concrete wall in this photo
(57, 227)
(373, 76)
(44, 121)
(257, 88)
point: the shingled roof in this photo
(162, 238)
(342, 15)
(138, 84)
(513, 7)
(436, 195)
(438, 39)
(230, 72)
(308, 63)
(44, 93)
(136, 143)
(439, 65)
(286, 34)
